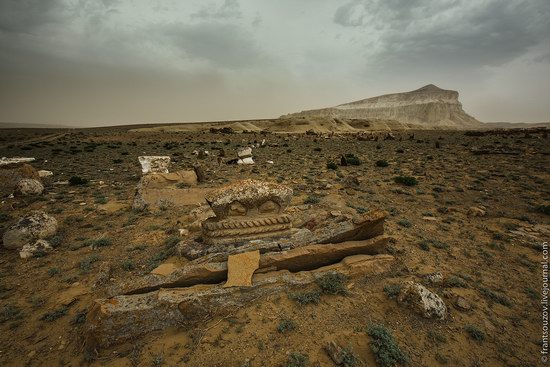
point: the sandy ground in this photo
(492, 261)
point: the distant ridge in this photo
(21, 125)
(426, 107)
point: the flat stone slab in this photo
(4, 161)
(123, 318)
(301, 258)
(164, 269)
(240, 269)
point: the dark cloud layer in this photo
(130, 61)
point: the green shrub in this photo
(128, 265)
(86, 264)
(286, 325)
(297, 360)
(332, 166)
(544, 209)
(77, 181)
(475, 333)
(349, 359)
(352, 159)
(406, 180)
(386, 350)
(404, 223)
(305, 298)
(312, 199)
(382, 163)
(55, 314)
(495, 297)
(392, 290)
(332, 283)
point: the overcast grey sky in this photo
(83, 62)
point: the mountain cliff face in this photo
(427, 107)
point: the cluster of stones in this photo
(247, 210)
(18, 177)
(249, 243)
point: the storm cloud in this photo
(105, 62)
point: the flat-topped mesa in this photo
(247, 210)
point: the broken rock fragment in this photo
(245, 156)
(154, 164)
(28, 187)
(37, 248)
(240, 269)
(27, 230)
(422, 300)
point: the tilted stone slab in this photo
(124, 318)
(302, 258)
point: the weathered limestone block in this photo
(245, 156)
(167, 189)
(154, 164)
(422, 300)
(28, 187)
(28, 229)
(247, 210)
(11, 173)
(122, 318)
(38, 247)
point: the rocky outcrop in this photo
(427, 107)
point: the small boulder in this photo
(462, 304)
(245, 156)
(435, 278)
(28, 187)
(335, 352)
(476, 212)
(422, 300)
(12, 173)
(37, 225)
(37, 248)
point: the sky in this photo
(93, 63)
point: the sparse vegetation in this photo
(305, 298)
(312, 199)
(475, 333)
(406, 180)
(77, 181)
(286, 325)
(386, 350)
(332, 283)
(392, 290)
(297, 360)
(55, 314)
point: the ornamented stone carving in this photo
(247, 210)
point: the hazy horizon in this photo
(83, 63)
